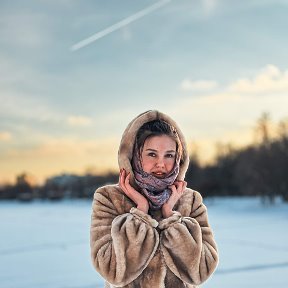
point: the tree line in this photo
(259, 169)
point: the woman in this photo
(149, 230)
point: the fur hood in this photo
(125, 151)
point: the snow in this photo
(44, 244)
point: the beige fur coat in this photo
(132, 249)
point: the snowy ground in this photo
(47, 245)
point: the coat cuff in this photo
(174, 218)
(144, 217)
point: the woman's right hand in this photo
(135, 196)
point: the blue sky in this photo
(213, 65)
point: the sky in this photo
(214, 66)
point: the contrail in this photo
(119, 25)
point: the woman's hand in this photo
(135, 196)
(177, 190)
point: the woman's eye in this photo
(152, 154)
(170, 155)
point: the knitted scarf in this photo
(154, 189)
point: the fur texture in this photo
(132, 249)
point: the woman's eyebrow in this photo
(168, 151)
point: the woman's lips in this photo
(159, 174)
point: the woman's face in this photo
(158, 155)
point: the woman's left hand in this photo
(177, 189)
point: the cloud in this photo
(269, 80)
(200, 85)
(209, 5)
(21, 88)
(126, 33)
(5, 136)
(25, 29)
(233, 107)
(79, 121)
(24, 106)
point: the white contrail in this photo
(119, 25)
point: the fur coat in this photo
(130, 248)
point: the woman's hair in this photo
(157, 128)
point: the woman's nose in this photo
(160, 163)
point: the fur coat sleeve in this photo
(187, 242)
(122, 244)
